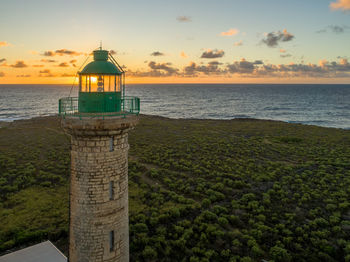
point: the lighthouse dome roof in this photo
(101, 65)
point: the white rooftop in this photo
(43, 252)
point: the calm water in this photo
(323, 105)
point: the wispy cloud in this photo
(184, 18)
(2, 74)
(230, 32)
(238, 43)
(285, 55)
(73, 62)
(19, 64)
(213, 53)
(62, 52)
(4, 43)
(183, 54)
(272, 39)
(2, 60)
(46, 73)
(114, 52)
(23, 75)
(48, 60)
(38, 65)
(64, 64)
(337, 29)
(157, 53)
(340, 4)
(67, 75)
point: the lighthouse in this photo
(98, 122)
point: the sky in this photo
(182, 41)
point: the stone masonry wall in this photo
(92, 214)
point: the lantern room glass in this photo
(100, 83)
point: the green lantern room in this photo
(101, 89)
(101, 85)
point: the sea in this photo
(309, 104)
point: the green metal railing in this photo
(69, 106)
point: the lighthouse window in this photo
(111, 146)
(111, 190)
(96, 83)
(84, 83)
(111, 240)
(109, 83)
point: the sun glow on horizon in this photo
(93, 79)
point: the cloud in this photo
(19, 64)
(23, 75)
(73, 62)
(113, 52)
(38, 65)
(183, 54)
(67, 75)
(49, 53)
(165, 66)
(282, 50)
(4, 43)
(184, 19)
(243, 66)
(230, 32)
(48, 60)
(212, 68)
(323, 69)
(67, 52)
(46, 73)
(250, 68)
(272, 39)
(157, 53)
(285, 55)
(337, 29)
(2, 60)
(340, 4)
(157, 70)
(2, 74)
(213, 53)
(64, 64)
(61, 52)
(238, 43)
(257, 68)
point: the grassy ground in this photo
(199, 190)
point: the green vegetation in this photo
(199, 190)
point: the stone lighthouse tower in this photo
(98, 122)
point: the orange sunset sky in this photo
(272, 41)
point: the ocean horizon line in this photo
(289, 84)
